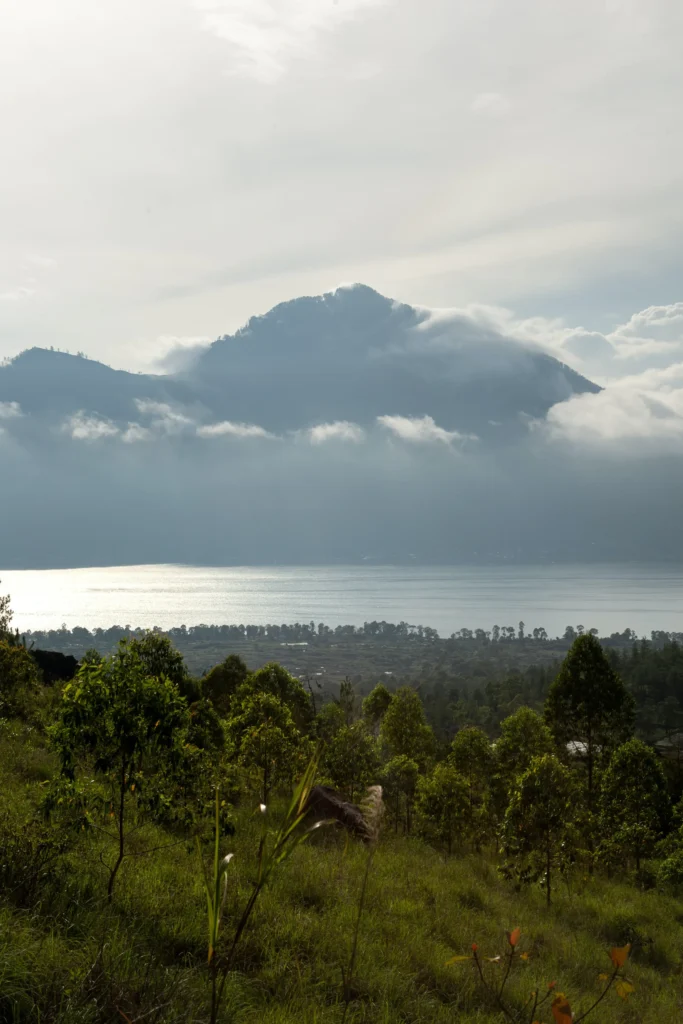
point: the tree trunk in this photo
(122, 803)
(547, 873)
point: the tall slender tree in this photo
(537, 830)
(588, 707)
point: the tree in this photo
(589, 705)
(19, 679)
(471, 755)
(399, 781)
(523, 736)
(404, 730)
(5, 615)
(375, 706)
(277, 681)
(222, 682)
(125, 725)
(161, 660)
(442, 805)
(329, 720)
(347, 700)
(266, 740)
(350, 760)
(537, 830)
(634, 803)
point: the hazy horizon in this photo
(609, 598)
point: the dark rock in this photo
(325, 804)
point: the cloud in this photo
(419, 430)
(164, 418)
(267, 35)
(174, 354)
(655, 330)
(41, 262)
(135, 433)
(493, 104)
(652, 337)
(10, 410)
(340, 430)
(646, 409)
(239, 430)
(16, 294)
(83, 427)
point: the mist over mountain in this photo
(340, 427)
(349, 355)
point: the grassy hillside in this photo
(68, 956)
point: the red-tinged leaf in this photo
(552, 985)
(475, 947)
(457, 960)
(619, 955)
(562, 1011)
(513, 936)
(624, 988)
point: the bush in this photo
(19, 681)
(29, 853)
(670, 873)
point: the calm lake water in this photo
(607, 597)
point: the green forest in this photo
(375, 826)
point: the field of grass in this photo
(68, 956)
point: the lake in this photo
(447, 598)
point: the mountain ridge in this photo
(351, 355)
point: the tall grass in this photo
(291, 832)
(66, 958)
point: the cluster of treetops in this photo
(137, 736)
(309, 632)
(484, 694)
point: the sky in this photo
(171, 167)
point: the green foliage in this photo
(347, 701)
(329, 720)
(30, 850)
(472, 756)
(350, 761)
(588, 704)
(273, 679)
(161, 660)
(19, 681)
(635, 809)
(443, 806)
(375, 706)
(221, 684)
(5, 615)
(265, 740)
(404, 731)
(523, 736)
(670, 872)
(537, 833)
(273, 851)
(126, 726)
(399, 779)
